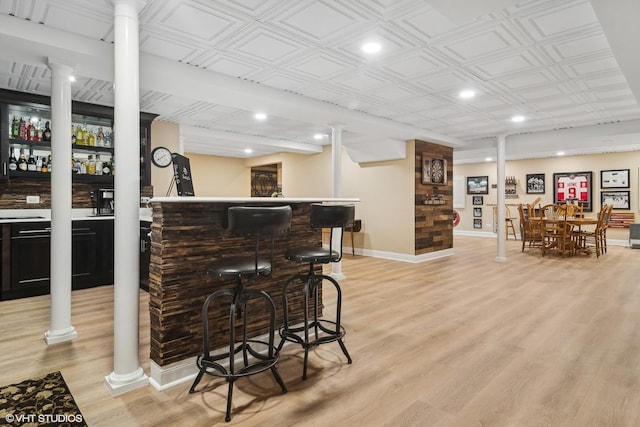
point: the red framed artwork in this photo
(573, 187)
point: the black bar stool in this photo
(323, 330)
(257, 223)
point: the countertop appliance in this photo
(103, 201)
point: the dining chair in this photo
(605, 226)
(548, 211)
(529, 230)
(508, 219)
(556, 233)
(593, 238)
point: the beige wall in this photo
(585, 163)
(385, 188)
(219, 176)
(163, 134)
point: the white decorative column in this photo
(61, 329)
(500, 163)
(336, 185)
(127, 373)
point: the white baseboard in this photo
(395, 256)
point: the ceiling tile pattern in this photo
(546, 59)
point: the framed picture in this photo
(478, 200)
(535, 183)
(574, 187)
(477, 223)
(618, 178)
(477, 212)
(434, 171)
(619, 199)
(477, 185)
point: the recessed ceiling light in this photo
(248, 150)
(467, 94)
(517, 119)
(371, 47)
(560, 153)
(488, 159)
(319, 136)
(72, 78)
(260, 116)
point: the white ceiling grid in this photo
(546, 59)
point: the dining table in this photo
(576, 222)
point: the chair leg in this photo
(312, 324)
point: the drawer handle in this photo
(46, 230)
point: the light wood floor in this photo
(461, 341)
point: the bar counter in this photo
(186, 234)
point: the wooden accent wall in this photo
(13, 193)
(185, 237)
(433, 223)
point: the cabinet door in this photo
(84, 254)
(105, 260)
(30, 259)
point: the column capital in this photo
(336, 125)
(138, 5)
(60, 66)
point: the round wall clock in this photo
(161, 157)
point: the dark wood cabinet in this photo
(84, 256)
(29, 257)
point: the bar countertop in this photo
(251, 200)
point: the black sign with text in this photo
(182, 175)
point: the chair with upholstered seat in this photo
(258, 355)
(315, 329)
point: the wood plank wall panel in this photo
(13, 193)
(433, 223)
(185, 237)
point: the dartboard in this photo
(437, 171)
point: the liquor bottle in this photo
(13, 162)
(31, 131)
(106, 168)
(39, 164)
(79, 136)
(39, 131)
(91, 165)
(99, 165)
(100, 138)
(49, 164)
(22, 161)
(31, 163)
(85, 134)
(73, 136)
(92, 139)
(46, 135)
(22, 129)
(15, 127)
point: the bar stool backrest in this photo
(333, 216)
(257, 222)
